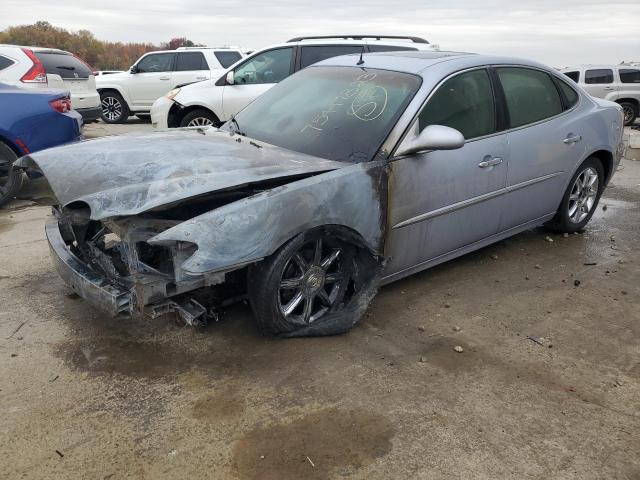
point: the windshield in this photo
(336, 113)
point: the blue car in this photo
(31, 120)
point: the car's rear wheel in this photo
(10, 178)
(114, 108)
(317, 284)
(199, 118)
(630, 112)
(581, 197)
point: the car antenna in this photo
(361, 61)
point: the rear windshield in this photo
(63, 64)
(227, 59)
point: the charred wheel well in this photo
(177, 112)
(606, 159)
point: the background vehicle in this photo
(52, 68)
(367, 169)
(31, 120)
(618, 83)
(156, 73)
(213, 102)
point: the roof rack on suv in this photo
(360, 37)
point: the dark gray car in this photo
(350, 174)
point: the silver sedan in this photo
(353, 173)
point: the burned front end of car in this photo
(111, 264)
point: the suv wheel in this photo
(317, 284)
(114, 108)
(10, 178)
(199, 118)
(630, 112)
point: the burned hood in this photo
(130, 174)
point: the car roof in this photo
(417, 62)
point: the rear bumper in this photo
(91, 286)
(89, 114)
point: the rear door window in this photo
(629, 75)
(598, 76)
(313, 54)
(190, 61)
(575, 76)
(227, 59)
(464, 102)
(570, 95)
(156, 62)
(63, 64)
(5, 62)
(531, 95)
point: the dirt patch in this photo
(221, 404)
(315, 446)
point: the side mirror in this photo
(434, 137)
(229, 78)
(134, 69)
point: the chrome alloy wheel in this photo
(312, 283)
(583, 195)
(111, 108)
(200, 122)
(629, 113)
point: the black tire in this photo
(10, 178)
(565, 220)
(348, 283)
(199, 118)
(113, 107)
(630, 112)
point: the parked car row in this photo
(33, 67)
(214, 101)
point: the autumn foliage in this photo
(97, 53)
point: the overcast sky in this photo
(557, 32)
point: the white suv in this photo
(215, 101)
(618, 83)
(34, 67)
(156, 73)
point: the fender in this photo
(254, 228)
(117, 88)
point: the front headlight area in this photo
(172, 93)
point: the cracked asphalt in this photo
(547, 385)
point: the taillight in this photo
(62, 105)
(37, 73)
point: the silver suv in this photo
(618, 83)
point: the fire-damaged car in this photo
(352, 173)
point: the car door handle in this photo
(165, 78)
(572, 139)
(490, 162)
(201, 78)
(608, 88)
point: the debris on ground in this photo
(604, 208)
(421, 328)
(446, 305)
(537, 266)
(457, 328)
(16, 330)
(535, 340)
(54, 378)
(576, 283)
(423, 359)
(458, 349)
(565, 235)
(548, 239)
(590, 264)
(312, 464)
(494, 256)
(60, 453)
(612, 238)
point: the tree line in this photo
(99, 54)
